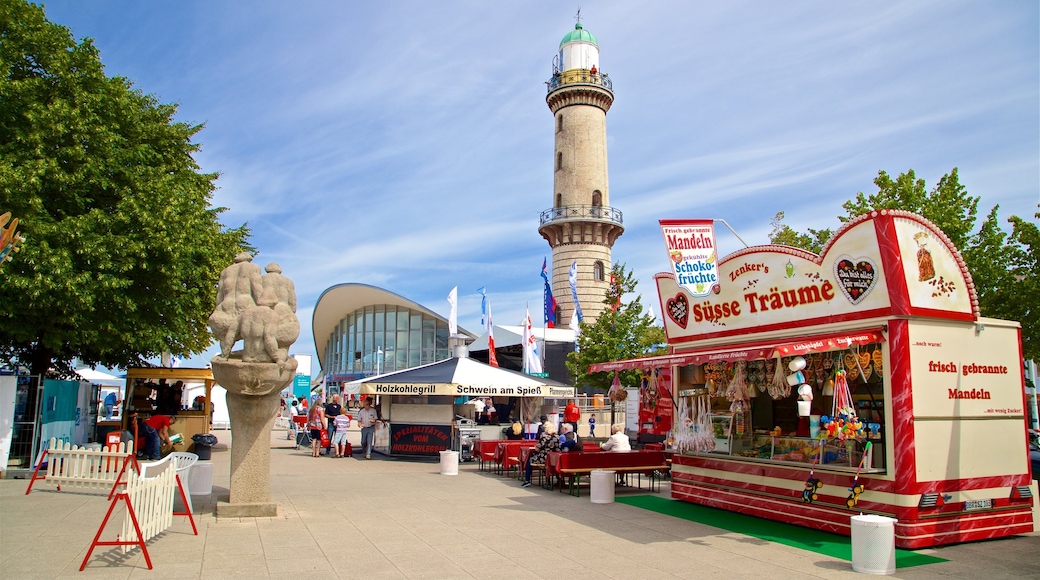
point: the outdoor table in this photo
(507, 453)
(574, 465)
(484, 451)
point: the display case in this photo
(844, 454)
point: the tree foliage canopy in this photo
(123, 250)
(1003, 266)
(621, 332)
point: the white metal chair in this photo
(181, 462)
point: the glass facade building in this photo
(384, 338)
(361, 330)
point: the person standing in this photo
(367, 419)
(491, 412)
(110, 403)
(332, 410)
(339, 440)
(316, 422)
(156, 429)
(592, 425)
(572, 414)
(294, 412)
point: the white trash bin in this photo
(602, 486)
(873, 544)
(200, 478)
(449, 462)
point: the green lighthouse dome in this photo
(579, 34)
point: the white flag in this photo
(453, 317)
(532, 361)
(576, 327)
(572, 278)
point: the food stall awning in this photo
(807, 345)
(459, 377)
(683, 359)
(828, 342)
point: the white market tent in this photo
(514, 335)
(99, 378)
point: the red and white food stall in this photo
(812, 388)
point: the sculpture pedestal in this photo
(253, 398)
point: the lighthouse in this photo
(581, 226)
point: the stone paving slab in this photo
(380, 518)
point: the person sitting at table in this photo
(618, 440)
(514, 431)
(568, 438)
(546, 443)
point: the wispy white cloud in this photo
(408, 144)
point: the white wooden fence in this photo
(72, 465)
(149, 512)
(152, 501)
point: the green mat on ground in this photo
(816, 541)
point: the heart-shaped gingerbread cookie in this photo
(856, 277)
(678, 309)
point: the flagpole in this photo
(541, 354)
(523, 351)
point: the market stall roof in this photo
(458, 377)
(100, 378)
(821, 343)
(513, 335)
(828, 342)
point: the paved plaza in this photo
(352, 518)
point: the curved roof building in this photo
(361, 330)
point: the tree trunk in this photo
(40, 360)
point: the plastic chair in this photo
(182, 462)
(300, 421)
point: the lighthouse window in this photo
(559, 123)
(559, 161)
(597, 198)
(559, 200)
(597, 271)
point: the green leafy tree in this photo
(621, 332)
(123, 249)
(1003, 266)
(783, 235)
(948, 205)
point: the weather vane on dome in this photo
(577, 17)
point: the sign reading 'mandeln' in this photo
(691, 253)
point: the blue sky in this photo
(408, 145)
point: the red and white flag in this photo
(532, 361)
(492, 359)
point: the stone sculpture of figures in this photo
(258, 309)
(285, 292)
(237, 291)
(259, 329)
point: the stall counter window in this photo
(183, 392)
(752, 413)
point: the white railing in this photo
(76, 466)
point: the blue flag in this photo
(548, 303)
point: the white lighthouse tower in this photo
(581, 226)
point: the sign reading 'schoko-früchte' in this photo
(691, 254)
